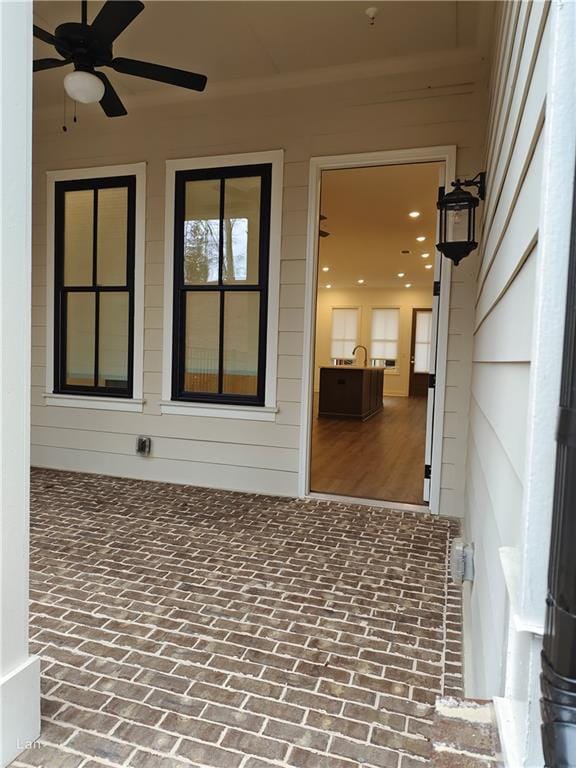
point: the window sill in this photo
(95, 402)
(218, 411)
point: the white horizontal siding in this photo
(505, 333)
(496, 476)
(168, 470)
(182, 448)
(214, 430)
(442, 106)
(503, 324)
(500, 390)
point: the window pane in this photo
(202, 231)
(342, 349)
(388, 349)
(423, 326)
(202, 341)
(421, 357)
(241, 230)
(241, 335)
(78, 236)
(80, 327)
(113, 341)
(345, 324)
(112, 226)
(385, 324)
(423, 342)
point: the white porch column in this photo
(19, 672)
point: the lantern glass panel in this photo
(457, 227)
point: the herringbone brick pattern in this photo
(181, 626)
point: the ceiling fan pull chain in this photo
(75, 112)
(64, 127)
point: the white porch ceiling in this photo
(256, 41)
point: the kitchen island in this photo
(350, 391)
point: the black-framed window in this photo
(94, 244)
(221, 255)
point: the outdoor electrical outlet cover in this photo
(143, 446)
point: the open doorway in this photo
(375, 332)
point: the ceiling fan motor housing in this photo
(77, 42)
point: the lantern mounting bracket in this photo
(479, 181)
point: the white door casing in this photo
(438, 264)
(447, 156)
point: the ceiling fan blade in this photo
(114, 17)
(40, 64)
(41, 34)
(162, 74)
(110, 102)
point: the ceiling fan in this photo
(323, 232)
(88, 46)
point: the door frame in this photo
(443, 154)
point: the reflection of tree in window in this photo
(201, 250)
(201, 239)
(235, 249)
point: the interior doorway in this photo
(375, 332)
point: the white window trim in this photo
(395, 371)
(97, 402)
(179, 407)
(219, 410)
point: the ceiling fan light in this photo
(84, 87)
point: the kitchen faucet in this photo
(361, 346)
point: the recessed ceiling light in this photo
(401, 274)
(414, 214)
(407, 285)
(361, 280)
(325, 269)
(425, 255)
(421, 238)
(428, 266)
(328, 286)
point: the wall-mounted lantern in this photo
(458, 216)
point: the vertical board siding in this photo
(443, 106)
(503, 325)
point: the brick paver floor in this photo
(180, 626)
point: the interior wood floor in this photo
(382, 458)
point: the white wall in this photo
(518, 324)
(396, 382)
(440, 106)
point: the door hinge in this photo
(431, 381)
(436, 288)
(566, 429)
(427, 471)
